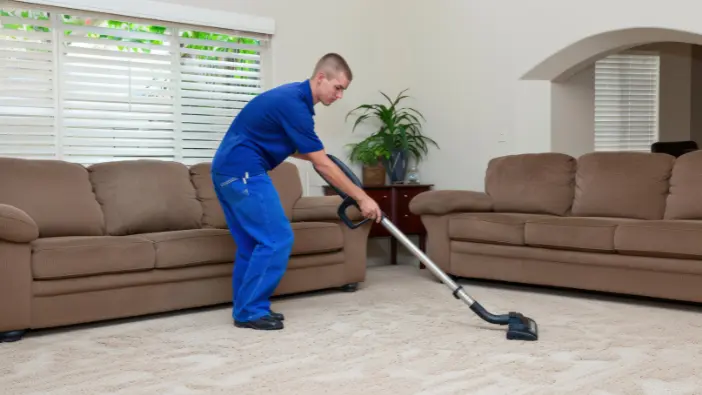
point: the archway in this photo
(566, 77)
(570, 60)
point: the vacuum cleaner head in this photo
(520, 327)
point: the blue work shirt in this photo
(271, 127)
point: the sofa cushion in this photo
(502, 228)
(61, 257)
(212, 213)
(16, 226)
(576, 233)
(442, 202)
(622, 184)
(683, 201)
(531, 183)
(285, 178)
(207, 246)
(56, 195)
(143, 196)
(316, 237)
(192, 247)
(662, 238)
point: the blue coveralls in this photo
(271, 127)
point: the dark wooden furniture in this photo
(674, 148)
(394, 201)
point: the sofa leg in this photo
(350, 287)
(12, 336)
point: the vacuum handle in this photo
(348, 200)
(342, 213)
(345, 169)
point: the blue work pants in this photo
(263, 236)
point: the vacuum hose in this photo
(502, 319)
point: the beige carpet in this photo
(402, 333)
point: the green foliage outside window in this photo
(135, 27)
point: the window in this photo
(89, 88)
(626, 102)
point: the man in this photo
(273, 126)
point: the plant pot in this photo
(374, 176)
(396, 166)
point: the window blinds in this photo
(27, 90)
(626, 102)
(88, 88)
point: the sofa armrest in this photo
(17, 226)
(321, 208)
(324, 209)
(15, 286)
(441, 202)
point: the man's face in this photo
(332, 89)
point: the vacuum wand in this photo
(427, 262)
(519, 327)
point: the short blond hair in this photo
(332, 64)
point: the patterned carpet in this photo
(401, 333)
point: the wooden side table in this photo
(394, 201)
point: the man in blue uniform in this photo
(273, 126)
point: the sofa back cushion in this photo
(622, 184)
(141, 196)
(57, 195)
(685, 198)
(539, 183)
(285, 178)
(212, 213)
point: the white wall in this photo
(675, 94)
(572, 116)
(470, 56)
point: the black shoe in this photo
(278, 316)
(267, 323)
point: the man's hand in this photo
(321, 162)
(370, 209)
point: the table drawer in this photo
(384, 199)
(407, 221)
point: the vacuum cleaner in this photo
(519, 327)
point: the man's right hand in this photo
(320, 160)
(370, 209)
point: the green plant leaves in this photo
(400, 128)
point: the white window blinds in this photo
(626, 102)
(27, 85)
(89, 88)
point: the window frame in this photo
(167, 12)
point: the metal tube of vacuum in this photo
(425, 259)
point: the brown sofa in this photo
(619, 222)
(121, 239)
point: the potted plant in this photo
(398, 138)
(370, 153)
